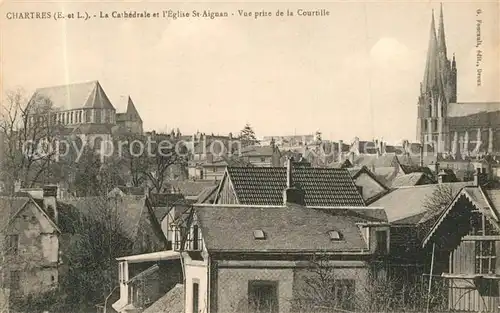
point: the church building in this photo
(84, 110)
(457, 129)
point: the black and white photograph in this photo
(249, 157)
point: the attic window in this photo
(259, 234)
(334, 235)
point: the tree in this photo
(28, 132)
(149, 159)
(247, 136)
(440, 198)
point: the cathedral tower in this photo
(437, 90)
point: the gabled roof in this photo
(412, 179)
(76, 96)
(207, 195)
(10, 207)
(132, 111)
(322, 186)
(478, 199)
(404, 202)
(287, 229)
(356, 172)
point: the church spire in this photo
(441, 37)
(430, 73)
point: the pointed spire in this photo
(441, 36)
(430, 74)
(131, 110)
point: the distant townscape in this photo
(99, 215)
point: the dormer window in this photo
(334, 235)
(259, 234)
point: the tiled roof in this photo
(405, 202)
(171, 302)
(76, 96)
(287, 228)
(322, 186)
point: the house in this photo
(411, 210)
(190, 189)
(251, 258)
(39, 233)
(261, 156)
(265, 185)
(462, 245)
(368, 184)
(145, 278)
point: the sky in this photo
(353, 73)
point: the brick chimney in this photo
(50, 202)
(292, 194)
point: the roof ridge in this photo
(95, 81)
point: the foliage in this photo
(28, 133)
(441, 197)
(247, 136)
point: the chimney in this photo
(289, 172)
(476, 179)
(49, 202)
(441, 176)
(341, 143)
(292, 194)
(17, 186)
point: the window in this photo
(13, 242)
(107, 116)
(480, 226)
(485, 257)
(196, 297)
(97, 116)
(15, 280)
(334, 235)
(381, 237)
(263, 159)
(87, 117)
(259, 234)
(263, 296)
(435, 122)
(425, 125)
(360, 189)
(196, 236)
(344, 290)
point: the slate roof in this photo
(411, 179)
(190, 188)
(370, 161)
(322, 186)
(469, 108)
(287, 229)
(9, 206)
(76, 96)
(171, 302)
(131, 114)
(405, 202)
(257, 151)
(129, 210)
